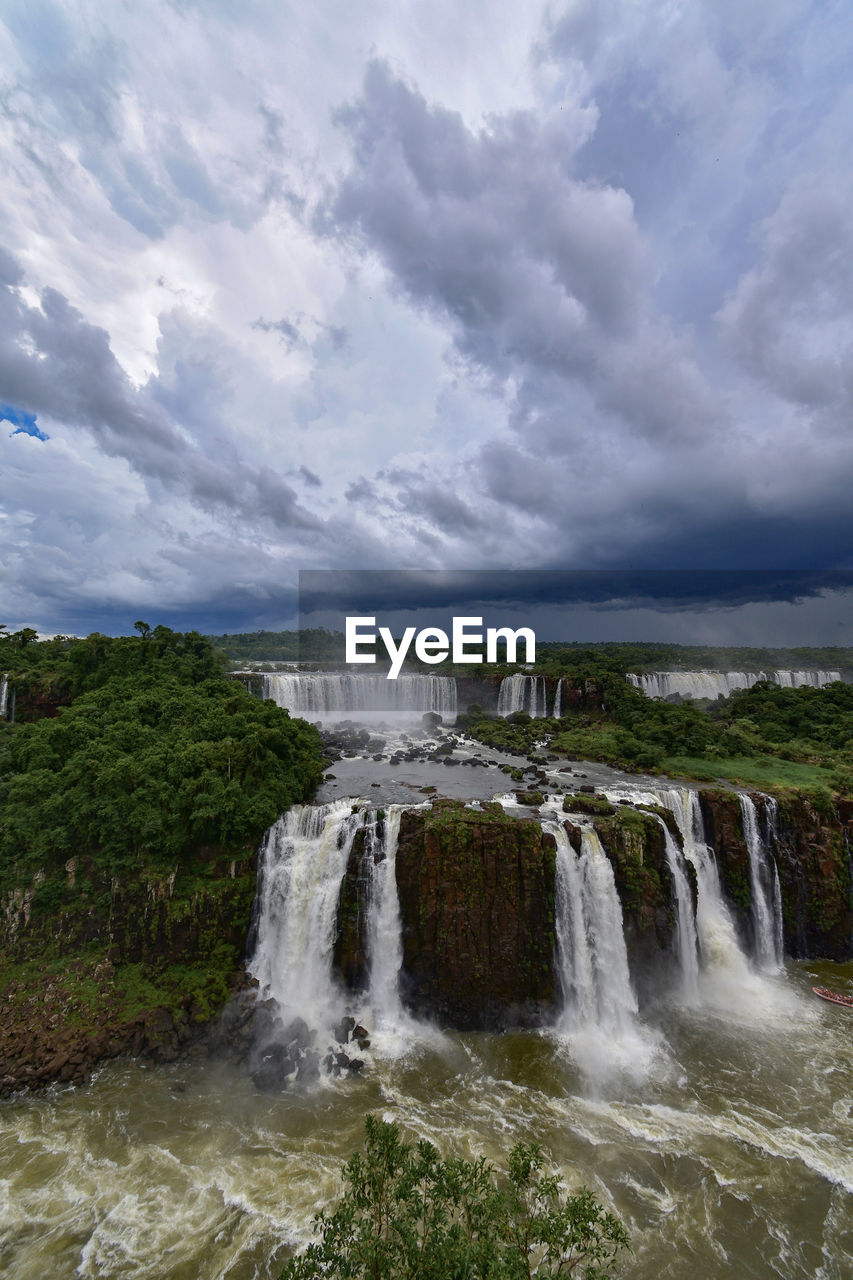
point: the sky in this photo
(408, 285)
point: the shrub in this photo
(408, 1213)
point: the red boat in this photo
(833, 997)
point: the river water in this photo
(733, 1156)
(717, 1123)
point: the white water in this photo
(771, 815)
(321, 695)
(521, 692)
(599, 1016)
(4, 695)
(558, 703)
(717, 684)
(301, 868)
(765, 896)
(726, 979)
(688, 942)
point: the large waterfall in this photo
(302, 867)
(521, 692)
(320, 695)
(599, 1016)
(4, 695)
(765, 894)
(719, 684)
(591, 953)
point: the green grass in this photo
(756, 771)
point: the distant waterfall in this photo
(302, 866)
(716, 684)
(4, 695)
(522, 692)
(558, 700)
(765, 895)
(591, 953)
(325, 694)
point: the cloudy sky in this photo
(420, 285)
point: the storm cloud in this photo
(302, 289)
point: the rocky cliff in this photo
(477, 904)
(90, 969)
(812, 849)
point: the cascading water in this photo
(384, 933)
(688, 942)
(720, 684)
(599, 1007)
(522, 692)
(593, 959)
(558, 700)
(4, 695)
(723, 958)
(765, 895)
(302, 865)
(325, 694)
(771, 817)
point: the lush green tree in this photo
(157, 755)
(409, 1214)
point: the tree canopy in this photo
(409, 1214)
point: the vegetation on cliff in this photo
(408, 1213)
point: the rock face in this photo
(138, 967)
(350, 957)
(477, 903)
(816, 878)
(812, 851)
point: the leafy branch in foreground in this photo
(408, 1214)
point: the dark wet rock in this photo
(343, 1029)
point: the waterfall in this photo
(4, 695)
(591, 953)
(688, 955)
(718, 940)
(522, 692)
(301, 867)
(765, 894)
(716, 684)
(323, 694)
(385, 935)
(558, 704)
